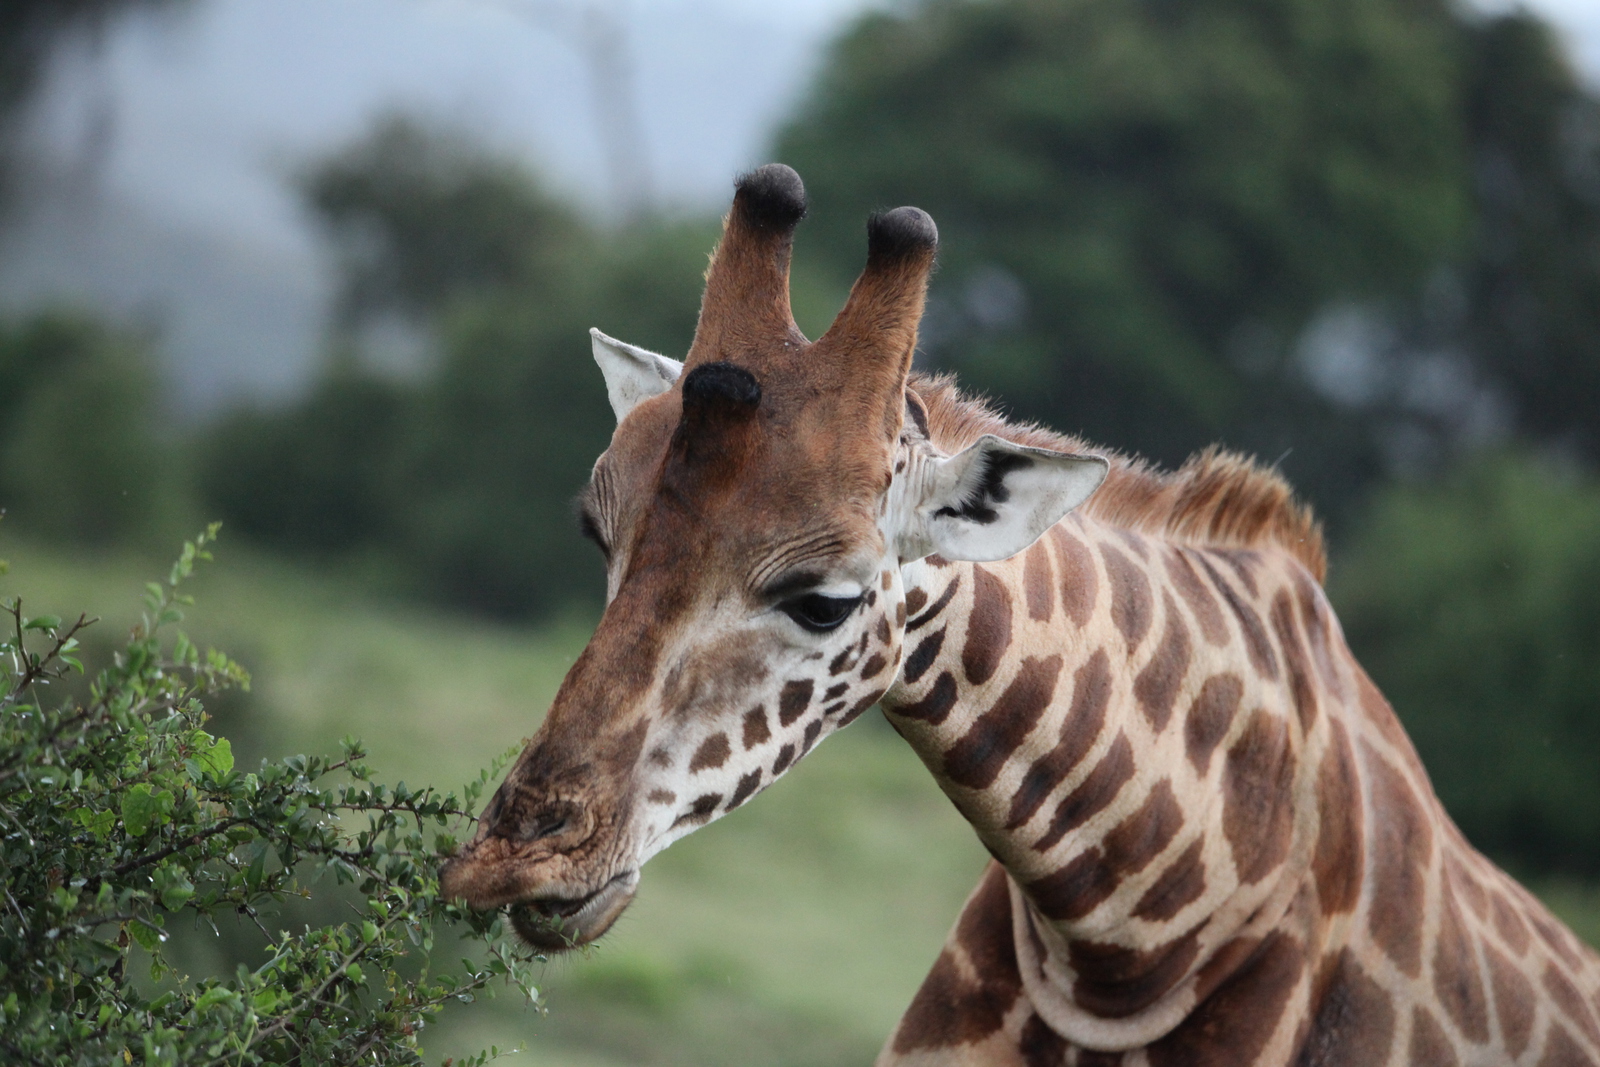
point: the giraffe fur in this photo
(1213, 842)
(1212, 796)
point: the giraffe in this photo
(1212, 841)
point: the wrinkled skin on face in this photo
(754, 509)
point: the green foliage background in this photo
(1473, 605)
(81, 451)
(1145, 205)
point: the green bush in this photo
(126, 825)
(1474, 605)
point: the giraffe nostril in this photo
(550, 822)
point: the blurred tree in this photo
(1472, 603)
(1145, 204)
(319, 476)
(516, 415)
(80, 456)
(461, 476)
(1532, 285)
(420, 216)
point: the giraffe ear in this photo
(996, 498)
(632, 373)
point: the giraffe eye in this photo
(819, 613)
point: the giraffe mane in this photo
(1217, 498)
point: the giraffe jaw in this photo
(556, 924)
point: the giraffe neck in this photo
(1111, 715)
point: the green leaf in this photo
(258, 866)
(143, 808)
(98, 823)
(43, 622)
(148, 935)
(218, 759)
(267, 1000)
(173, 884)
(215, 995)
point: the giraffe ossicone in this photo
(1213, 842)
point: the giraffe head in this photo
(754, 508)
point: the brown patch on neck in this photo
(1080, 582)
(1180, 885)
(1136, 841)
(1258, 794)
(1233, 1025)
(1514, 1001)
(994, 736)
(1115, 982)
(1339, 861)
(988, 627)
(1301, 690)
(1131, 600)
(1256, 643)
(1456, 980)
(1156, 686)
(1200, 600)
(1091, 696)
(1038, 581)
(1209, 718)
(1402, 855)
(1355, 1020)
(1093, 795)
(965, 997)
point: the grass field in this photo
(792, 932)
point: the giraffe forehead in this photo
(804, 423)
(800, 494)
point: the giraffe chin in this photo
(552, 925)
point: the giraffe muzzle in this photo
(558, 924)
(551, 871)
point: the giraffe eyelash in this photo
(820, 613)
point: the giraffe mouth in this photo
(559, 924)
